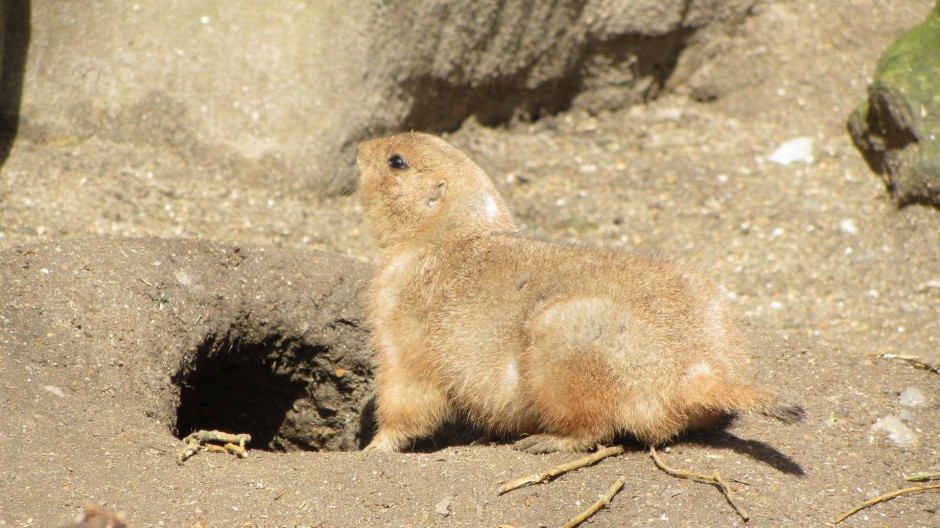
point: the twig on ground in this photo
(553, 472)
(603, 501)
(883, 498)
(920, 477)
(713, 479)
(913, 361)
(232, 443)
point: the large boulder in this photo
(14, 41)
(898, 127)
(293, 86)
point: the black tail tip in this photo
(790, 414)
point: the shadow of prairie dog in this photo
(571, 345)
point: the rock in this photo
(896, 431)
(797, 150)
(911, 397)
(14, 34)
(847, 226)
(295, 86)
(898, 127)
(443, 508)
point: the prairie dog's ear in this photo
(437, 193)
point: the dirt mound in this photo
(197, 335)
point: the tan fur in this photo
(572, 345)
(95, 517)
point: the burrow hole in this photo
(288, 395)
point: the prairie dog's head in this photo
(416, 186)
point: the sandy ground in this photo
(827, 270)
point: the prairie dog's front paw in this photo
(381, 443)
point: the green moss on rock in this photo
(898, 127)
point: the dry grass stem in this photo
(553, 472)
(231, 443)
(603, 501)
(713, 479)
(914, 361)
(883, 498)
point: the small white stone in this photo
(896, 431)
(443, 508)
(796, 150)
(670, 114)
(54, 390)
(183, 278)
(911, 397)
(847, 226)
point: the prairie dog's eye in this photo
(397, 163)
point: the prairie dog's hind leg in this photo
(406, 411)
(574, 385)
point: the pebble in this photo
(183, 278)
(797, 150)
(911, 397)
(443, 508)
(55, 390)
(847, 226)
(897, 432)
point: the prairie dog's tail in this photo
(788, 413)
(713, 395)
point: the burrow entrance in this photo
(286, 393)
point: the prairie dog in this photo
(570, 345)
(95, 517)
